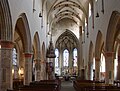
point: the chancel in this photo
(59, 45)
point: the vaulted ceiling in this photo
(67, 40)
(72, 11)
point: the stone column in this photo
(70, 60)
(118, 69)
(6, 65)
(80, 60)
(61, 61)
(15, 75)
(28, 68)
(37, 70)
(90, 69)
(43, 73)
(97, 69)
(109, 63)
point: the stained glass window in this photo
(102, 69)
(57, 70)
(57, 56)
(65, 57)
(75, 57)
(14, 55)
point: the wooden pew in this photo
(36, 88)
(17, 83)
(43, 85)
(57, 83)
(87, 85)
(117, 83)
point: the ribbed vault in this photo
(67, 41)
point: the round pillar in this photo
(43, 73)
(28, 68)
(109, 63)
(6, 78)
(37, 69)
(97, 69)
(118, 69)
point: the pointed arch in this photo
(22, 28)
(43, 51)
(36, 46)
(67, 40)
(5, 21)
(6, 38)
(99, 45)
(113, 31)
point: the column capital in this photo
(97, 59)
(28, 54)
(109, 54)
(6, 44)
(37, 59)
(43, 62)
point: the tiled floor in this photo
(67, 86)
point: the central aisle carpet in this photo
(67, 86)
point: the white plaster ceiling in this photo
(58, 10)
(65, 15)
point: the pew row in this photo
(88, 85)
(43, 85)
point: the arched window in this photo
(15, 65)
(75, 57)
(57, 56)
(94, 63)
(57, 71)
(93, 73)
(102, 66)
(14, 56)
(85, 22)
(65, 57)
(115, 66)
(90, 10)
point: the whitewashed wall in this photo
(100, 23)
(18, 7)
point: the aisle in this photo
(67, 86)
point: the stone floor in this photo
(67, 86)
